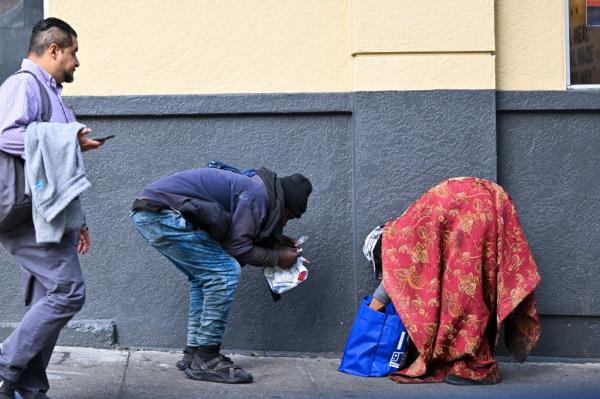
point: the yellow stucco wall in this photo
(422, 26)
(207, 46)
(530, 45)
(423, 71)
(422, 45)
(263, 46)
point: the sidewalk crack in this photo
(312, 380)
(121, 388)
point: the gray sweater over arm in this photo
(55, 177)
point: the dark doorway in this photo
(17, 17)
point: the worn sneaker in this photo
(188, 355)
(7, 389)
(457, 380)
(36, 395)
(219, 369)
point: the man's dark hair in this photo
(48, 31)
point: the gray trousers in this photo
(54, 292)
(381, 295)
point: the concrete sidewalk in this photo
(85, 373)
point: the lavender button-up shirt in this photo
(20, 104)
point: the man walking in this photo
(207, 222)
(53, 282)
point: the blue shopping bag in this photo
(377, 342)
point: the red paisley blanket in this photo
(457, 265)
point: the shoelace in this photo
(226, 359)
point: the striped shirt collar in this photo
(41, 73)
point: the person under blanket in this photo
(456, 266)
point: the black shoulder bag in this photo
(15, 206)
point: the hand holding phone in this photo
(85, 143)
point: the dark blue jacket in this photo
(232, 207)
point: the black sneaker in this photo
(7, 389)
(38, 395)
(188, 355)
(457, 380)
(30, 395)
(219, 369)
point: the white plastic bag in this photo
(282, 280)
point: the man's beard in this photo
(68, 77)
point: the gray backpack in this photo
(15, 206)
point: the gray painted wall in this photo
(369, 156)
(548, 161)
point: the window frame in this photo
(580, 87)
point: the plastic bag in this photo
(282, 280)
(376, 345)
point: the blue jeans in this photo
(212, 273)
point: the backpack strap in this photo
(46, 104)
(224, 166)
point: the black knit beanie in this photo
(296, 189)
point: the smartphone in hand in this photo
(102, 139)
